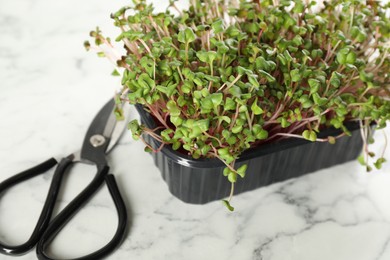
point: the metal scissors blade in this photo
(103, 133)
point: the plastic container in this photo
(199, 181)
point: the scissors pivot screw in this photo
(97, 140)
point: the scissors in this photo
(102, 135)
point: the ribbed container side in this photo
(202, 181)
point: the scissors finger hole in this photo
(20, 207)
(75, 179)
(89, 230)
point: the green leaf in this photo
(282, 59)
(173, 109)
(190, 35)
(207, 56)
(226, 133)
(362, 36)
(263, 64)
(87, 45)
(341, 110)
(181, 101)
(254, 82)
(227, 205)
(228, 158)
(299, 7)
(354, 31)
(175, 63)
(366, 77)
(313, 136)
(242, 170)
(268, 76)
(319, 100)
(335, 79)
(316, 53)
(202, 56)
(256, 109)
(189, 123)
(226, 171)
(314, 85)
(361, 160)
(222, 48)
(115, 73)
(223, 151)
(218, 26)
(263, 26)
(133, 126)
(342, 56)
(119, 114)
(309, 135)
(216, 99)
(212, 55)
(297, 40)
(176, 120)
(283, 122)
(306, 134)
(231, 140)
(351, 58)
(331, 140)
(186, 36)
(232, 177)
(235, 91)
(205, 92)
(379, 162)
(203, 124)
(295, 75)
(287, 55)
(207, 103)
(145, 81)
(225, 118)
(259, 132)
(148, 149)
(262, 135)
(205, 149)
(187, 86)
(198, 94)
(243, 109)
(187, 147)
(198, 81)
(236, 129)
(307, 104)
(165, 134)
(195, 132)
(241, 71)
(336, 122)
(229, 104)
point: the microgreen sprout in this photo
(225, 76)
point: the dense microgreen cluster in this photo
(226, 76)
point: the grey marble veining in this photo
(50, 89)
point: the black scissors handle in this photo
(47, 210)
(46, 230)
(66, 214)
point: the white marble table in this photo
(50, 89)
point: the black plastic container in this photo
(199, 181)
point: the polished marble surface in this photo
(50, 89)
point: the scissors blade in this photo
(99, 134)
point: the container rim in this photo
(187, 160)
